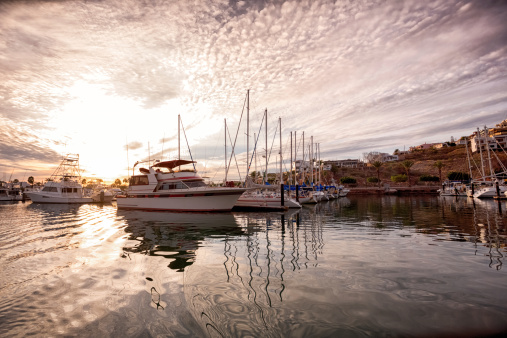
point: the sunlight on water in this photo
(358, 266)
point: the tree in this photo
(407, 164)
(399, 178)
(83, 181)
(125, 180)
(31, 180)
(117, 182)
(15, 180)
(439, 165)
(348, 180)
(377, 165)
(429, 178)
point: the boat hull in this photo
(265, 203)
(39, 197)
(187, 200)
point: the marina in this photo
(353, 266)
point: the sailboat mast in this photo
(311, 157)
(303, 163)
(247, 131)
(489, 155)
(290, 172)
(480, 151)
(225, 143)
(469, 164)
(281, 157)
(179, 123)
(266, 176)
(295, 156)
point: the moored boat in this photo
(162, 188)
(64, 185)
(10, 192)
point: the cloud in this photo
(353, 74)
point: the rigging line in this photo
(237, 132)
(272, 143)
(188, 146)
(232, 153)
(501, 164)
(255, 146)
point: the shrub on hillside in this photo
(429, 178)
(458, 176)
(399, 178)
(347, 180)
(372, 180)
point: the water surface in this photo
(357, 266)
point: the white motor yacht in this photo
(64, 185)
(162, 188)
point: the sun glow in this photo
(97, 126)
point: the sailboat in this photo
(487, 186)
(264, 196)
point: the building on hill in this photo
(495, 138)
(349, 163)
(377, 156)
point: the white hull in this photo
(209, 199)
(488, 192)
(265, 202)
(308, 200)
(40, 197)
(5, 198)
(106, 198)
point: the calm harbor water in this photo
(353, 267)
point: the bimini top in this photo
(171, 164)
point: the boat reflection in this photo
(175, 236)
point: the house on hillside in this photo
(495, 138)
(377, 156)
(349, 163)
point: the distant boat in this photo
(9, 192)
(162, 188)
(452, 188)
(265, 197)
(64, 185)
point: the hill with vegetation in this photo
(424, 165)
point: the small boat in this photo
(162, 188)
(64, 185)
(453, 188)
(10, 192)
(264, 197)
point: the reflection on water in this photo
(176, 236)
(357, 266)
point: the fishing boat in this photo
(162, 187)
(10, 192)
(64, 185)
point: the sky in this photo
(108, 79)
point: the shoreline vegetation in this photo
(425, 171)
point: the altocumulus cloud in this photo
(359, 76)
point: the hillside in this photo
(453, 159)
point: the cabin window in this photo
(195, 184)
(170, 186)
(50, 189)
(139, 180)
